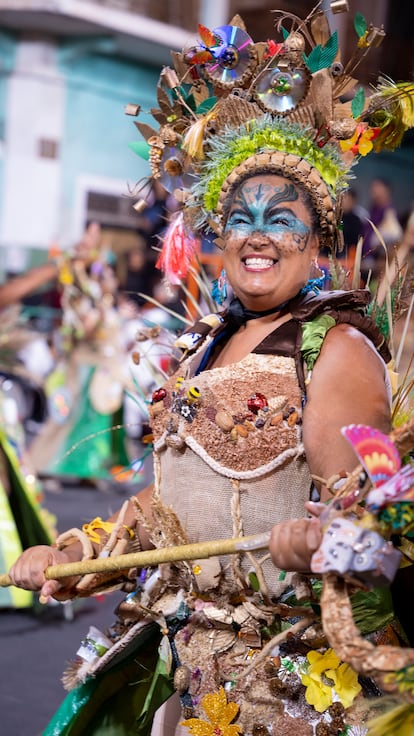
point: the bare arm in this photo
(347, 386)
(17, 288)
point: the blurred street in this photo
(36, 647)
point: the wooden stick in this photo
(152, 557)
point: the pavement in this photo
(35, 648)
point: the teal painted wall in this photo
(96, 130)
(7, 60)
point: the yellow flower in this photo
(321, 662)
(65, 275)
(317, 693)
(361, 141)
(406, 101)
(327, 667)
(362, 42)
(403, 678)
(346, 683)
(220, 714)
(398, 721)
(91, 526)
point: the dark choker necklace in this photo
(237, 314)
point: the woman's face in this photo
(268, 242)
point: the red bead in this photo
(158, 395)
(256, 402)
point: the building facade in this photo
(68, 69)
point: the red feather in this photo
(177, 251)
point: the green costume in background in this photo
(21, 522)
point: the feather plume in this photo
(177, 251)
(194, 137)
(391, 110)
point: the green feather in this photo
(321, 57)
(206, 105)
(141, 148)
(360, 24)
(358, 103)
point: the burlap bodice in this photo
(226, 469)
(228, 440)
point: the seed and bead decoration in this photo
(193, 394)
(259, 416)
(186, 405)
(256, 402)
(157, 402)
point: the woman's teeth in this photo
(259, 263)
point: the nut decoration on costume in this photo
(235, 666)
(229, 107)
(234, 630)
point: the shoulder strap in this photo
(323, 311)
(339, 307)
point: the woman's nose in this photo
(258, 239)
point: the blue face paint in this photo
(264, 209)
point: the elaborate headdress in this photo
(230, 107)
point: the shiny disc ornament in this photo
(233, 57)
(175, 170)
(279, 90)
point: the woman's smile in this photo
(258, 263)
(269, 242)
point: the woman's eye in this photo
(281, 220)
(238, 220)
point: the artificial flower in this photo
(319, 663)
(220, 714)
(363, 40)
(90, 528)
(361, 141)
(274, 49)
(317, 693)
(327, 667)
(346, 683)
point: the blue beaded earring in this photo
(219, 288)
(316, 282)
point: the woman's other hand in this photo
(28, 571)
(292, 543)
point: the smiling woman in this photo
(247, 428)
(269, 243)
